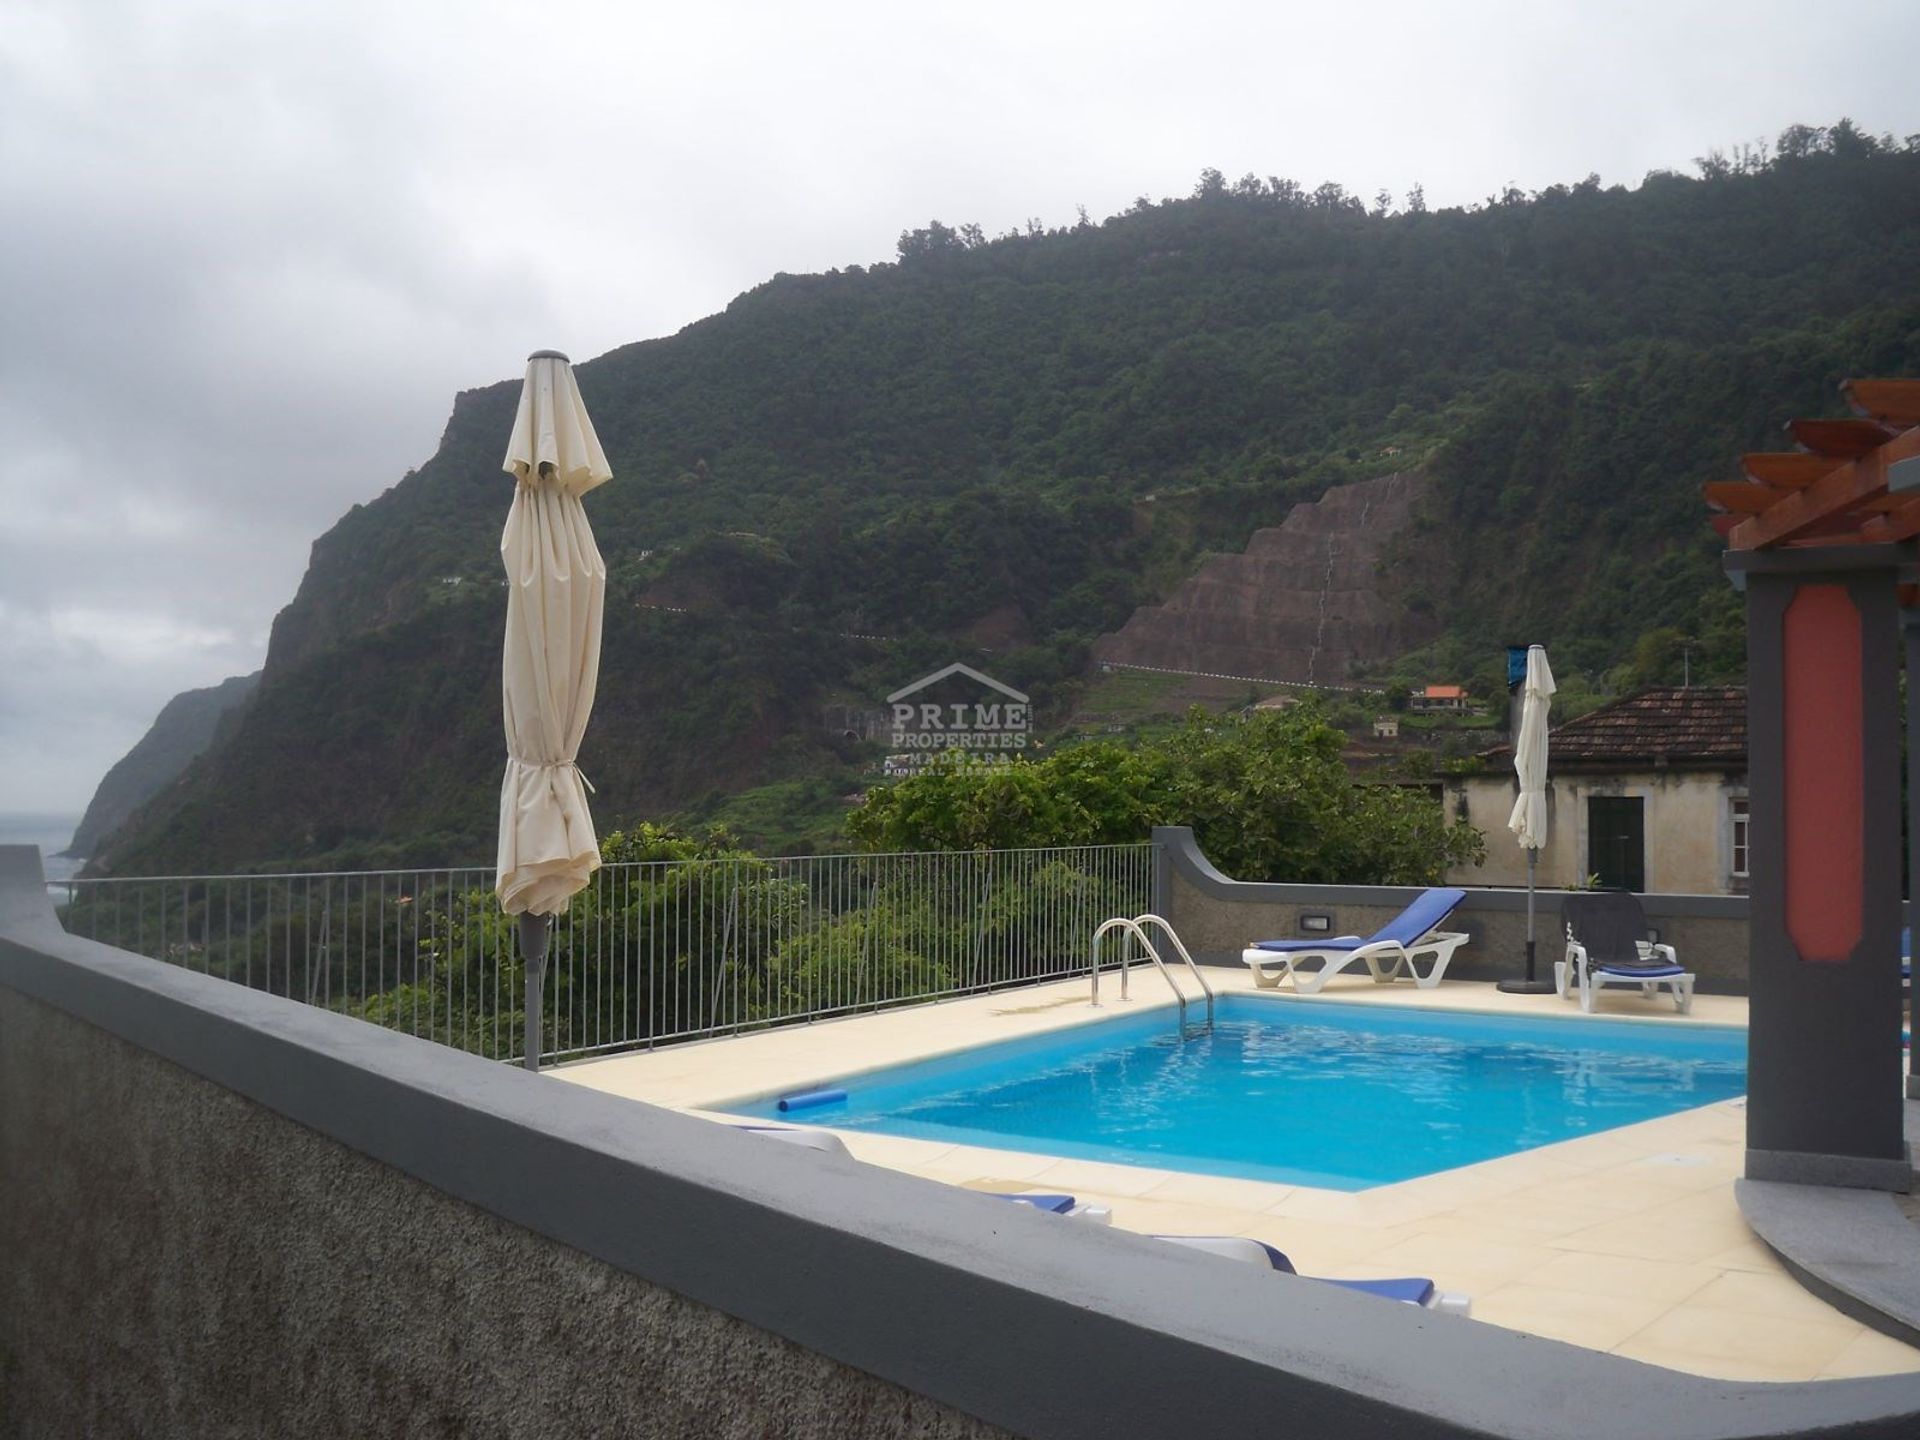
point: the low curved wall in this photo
(224, 1212)
(1219, 917)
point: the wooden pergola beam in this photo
(1900, 524)
(1791, 468)
(1741, 496)
(1840, 439)
(1896, 402)
(1828, 498)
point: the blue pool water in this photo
(1337, 1096)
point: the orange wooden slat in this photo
(1741, 497)
(1828, 498)
(1723, 523)
(1841, 529)
(1785, 467)
(1900, 524)
(1840, 439)
(1895, 401)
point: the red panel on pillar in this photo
(1825, 773)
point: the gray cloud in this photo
(253, 250)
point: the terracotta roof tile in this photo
(1669, 724)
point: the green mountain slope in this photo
(184, 728)
(1011, 443)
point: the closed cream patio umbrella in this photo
(1529, 819)
(556, 591)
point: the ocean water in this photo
(1341, 1097)
(50, 832)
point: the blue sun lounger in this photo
(1608, 943)
(1395, 949)
(1414, 1290)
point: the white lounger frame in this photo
(1575, 973)
(1386, 961)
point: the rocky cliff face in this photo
(184, 728)
(1303, 603)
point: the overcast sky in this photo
(251, 250)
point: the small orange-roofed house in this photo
(1441, 699)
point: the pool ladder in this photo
(1137, 928)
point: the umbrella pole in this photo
(1531, 985)
(535, 931)
(1533, 859)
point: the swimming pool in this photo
(1342, 1097)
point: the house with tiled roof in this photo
(1440, 699)
(1647, 793)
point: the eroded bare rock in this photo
(1303, 603)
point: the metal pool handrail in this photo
(1149, 918)
(1134, 928)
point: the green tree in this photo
(1267, 795)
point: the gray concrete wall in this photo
(226, 1213)
(1219, 917)
(187, 1262)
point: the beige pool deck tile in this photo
(1653, 1237)
(1626, 1240)
(1580, 1317)
(1600, 1190)
(1871, 1353)
(1779, 1296)
(964, 1163)
(1528, 1223)
(1148, 1216)
(1684, 1173)
(1739, 1345)
(1714, 1204)
(1359, 1207)
(1502, 1176)
(1749, 1254)
(1457, 1262)
(1219, 1190)
(896, 1151)
(1129, 1180)
(1663, 1282)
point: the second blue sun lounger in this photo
(1395, 949)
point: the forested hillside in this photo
(1012, 442)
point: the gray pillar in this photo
(1162, 878)
(1910, 628)
(1824, 1078)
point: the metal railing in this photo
(1135, 932)
(650, 952)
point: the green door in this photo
(1617, 841)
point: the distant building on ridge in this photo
(1440, 699)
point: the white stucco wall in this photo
(1688, 836)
